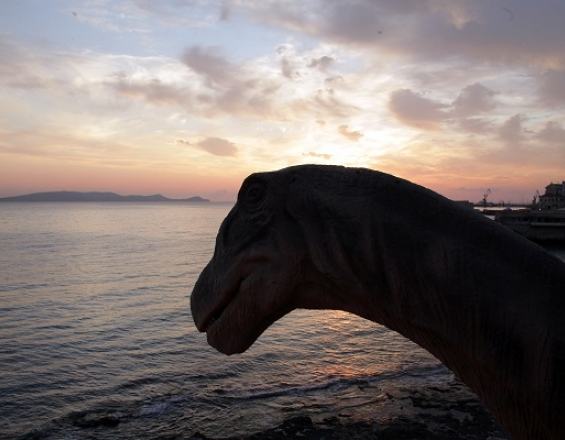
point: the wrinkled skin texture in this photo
(486, 302)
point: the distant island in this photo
(75, 196)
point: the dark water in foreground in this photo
(95, 322)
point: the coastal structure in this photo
(554, 197)
(545, 221)
(539, 226)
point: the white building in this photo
(554, 197)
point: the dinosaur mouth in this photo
(216, 312)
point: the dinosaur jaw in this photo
(215, 313)
(211, 295)
(240, 316)
(234, 307)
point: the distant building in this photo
(554, 197)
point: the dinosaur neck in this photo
(482, 301)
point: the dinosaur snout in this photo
(200, 299)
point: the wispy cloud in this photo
(552, 88)
(318, 155)
(474, 99)
(512, 130)
(430, 29)
(413, 109)
(351, 135)
(552, 133)
(431, 90)
(152, 90)
(218, 146)
(140, 16)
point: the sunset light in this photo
(186, 97)
(282, 219)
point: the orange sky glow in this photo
(189, 97)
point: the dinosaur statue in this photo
(486, 302)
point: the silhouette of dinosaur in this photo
(486, 302)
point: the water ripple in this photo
(97, 341)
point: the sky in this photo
(188, 97)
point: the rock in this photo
(94, 420)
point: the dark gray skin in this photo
(486, 302)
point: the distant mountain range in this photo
(74, 196)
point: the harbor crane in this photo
(485, 196)
(536, 200)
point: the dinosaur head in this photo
(262, 267)
(248, 284)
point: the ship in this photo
(545, 221)
(536, 225)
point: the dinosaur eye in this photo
(254, 195)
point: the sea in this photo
(97, 339)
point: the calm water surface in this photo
(95, 322)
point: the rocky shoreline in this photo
(445, 412)
(434, 410)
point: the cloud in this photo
(525, 31)
(208, 62)
(512, 131)
(185, 12)
(323, 104)
(552, 133)
(152, 90)
(287, 69)
(359, 22)
(23, 69)
(206, 83)
(318, 155)
(232, 88)
(322, 62)
(139, 16)
(475, 125)
(218, 146)
(291, 63)
(413, 109)
(466, 68)
(119, 17)
(552, 87)
(472, 100)
(351, 135)
(61, 144)
(225, 11)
